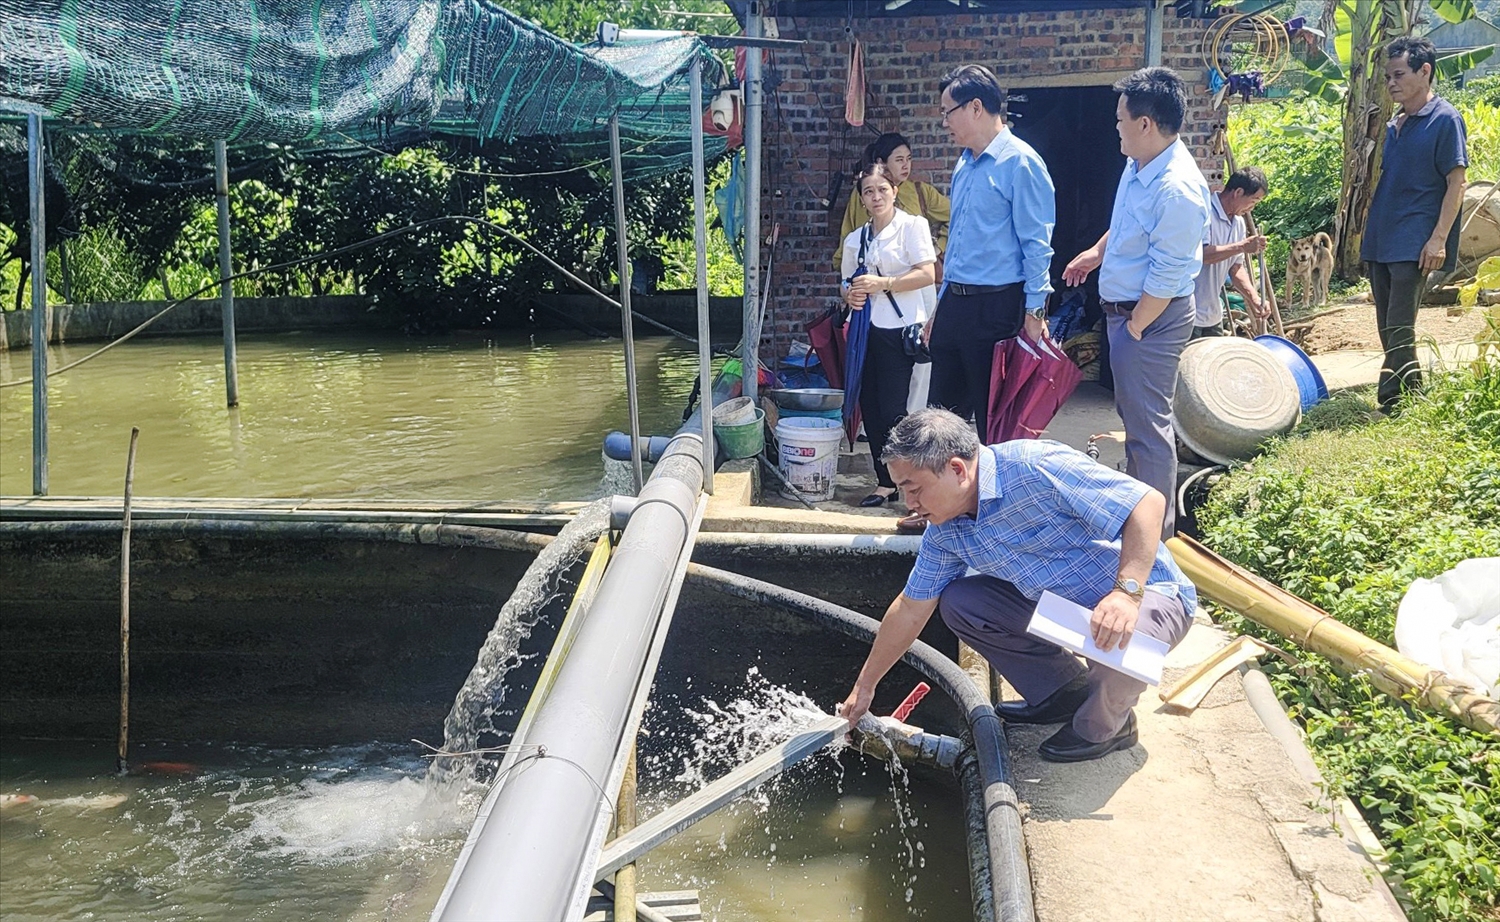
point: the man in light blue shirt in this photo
(1031, 516)
(996, 271)
(1151, 256)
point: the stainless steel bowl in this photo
(807, 398)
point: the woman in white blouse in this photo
(898, 258)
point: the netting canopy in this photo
(296, 72)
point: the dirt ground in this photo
(1351, 326)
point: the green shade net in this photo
(325, 72)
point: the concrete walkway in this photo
(1207, 818)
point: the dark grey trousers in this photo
(991, 615)
(1145, 373)
(1397, 288)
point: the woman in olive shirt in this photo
(913, 196)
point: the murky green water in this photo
(352, 833)
(341, 415)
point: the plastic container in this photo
(744, 440)
(737, 411)
(1232, 394)
(1310, 384)
(784, 413)
(809, 456)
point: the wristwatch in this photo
(1039, 313)
(1131, 588)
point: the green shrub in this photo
(1298, 144)
(1347, 518)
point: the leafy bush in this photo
(1347, 519)
(1298, 144)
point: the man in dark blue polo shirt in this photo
(1412, 228)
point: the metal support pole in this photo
(750, 357)
(226, 269)
(1153, 33)
(627, 328)
(38, 306)
(700, 246)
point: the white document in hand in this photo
(1067, 625)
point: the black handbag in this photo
(911, 334)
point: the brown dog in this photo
(1311, 262)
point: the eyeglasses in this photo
(948, 112)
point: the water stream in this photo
(485, 691)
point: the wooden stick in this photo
(625, 895)
(120, 762)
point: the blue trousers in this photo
(991, 615)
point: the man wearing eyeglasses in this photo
(996, 276)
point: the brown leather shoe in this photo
(911, 525)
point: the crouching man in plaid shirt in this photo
(1030, 516)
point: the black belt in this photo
(959, 288)
(1118, 308)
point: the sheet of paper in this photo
(1067, 625)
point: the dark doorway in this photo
(1073, 128)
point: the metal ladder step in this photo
(677, 905)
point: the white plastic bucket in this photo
(809, 455)
(735, 412)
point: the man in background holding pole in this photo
(1225, 247)
(1150, 257)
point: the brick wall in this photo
(805, 136)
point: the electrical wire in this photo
(357, 245)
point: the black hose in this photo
(497, 539)
(1010, 876)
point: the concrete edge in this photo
(1355, 831)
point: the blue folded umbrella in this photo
(858, 340)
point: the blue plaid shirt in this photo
(1055, 525)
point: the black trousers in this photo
(963, 347)
(1398, 293)
(882, 392)
(1201, 332)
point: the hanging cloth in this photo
(854, 93)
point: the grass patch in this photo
(1346, 512)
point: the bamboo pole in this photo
(625, 895)
(120, 762)
(1314, 629)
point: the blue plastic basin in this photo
(1310, 386)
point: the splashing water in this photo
(728, 735)
(484, 692)
(618, 479)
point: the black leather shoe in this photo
(1067, 746)
(1057, 707)
(875, 499)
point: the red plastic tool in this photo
(911, 702)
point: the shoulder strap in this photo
(921, 198)
(864, 239)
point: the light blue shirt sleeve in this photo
(1034, 200)
(1175, 251)
(935, 568)
(1098, 496)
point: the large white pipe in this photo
(531, 854)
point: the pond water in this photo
(507, 417)
(224, 832)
